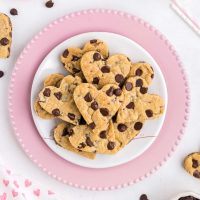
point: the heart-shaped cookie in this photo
(59, 101)
(61, 134)
(99, 71)
(71, 56)
(138, 103)
(98, 106)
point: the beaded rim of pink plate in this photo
(125, 15)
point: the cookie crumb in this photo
(49, 4)
(1, 74)
(13, 11)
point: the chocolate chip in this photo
(131, 105)
(139, 83)
(196, 174)
(118, 92)
(188, 198)
(102, 135)
(1, 74)
(13, 11)
(119, 78)
(110, 91)
(75, 58)
(195, 163)
(128, 59)
(89, 142)
(47, 92)
(88, 97)
(121, 127)
(49, 4)
(96, 56)
(104, 111)
(138, 72)
(143, 90)
(128, 86)
(93, 41)
(105, 69)
(65, 53)
(111, 145)
(71, 116)
(149, 113)
(95, 80)
(75, 70)
(143, 197)
(138, 126)
(152, 76)
(114, 118)
(81, 145)
(56, 112)
(67, 131)
(4, 41)
(94, 105)
(92, 125)
(82, 121)
(58, 95)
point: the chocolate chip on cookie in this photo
(75, 58)
(111, 145)
(139, 83)
(105, 69)
(88, 97)
(195, 163)
(117, 92)
(131, 105)
(94, 105)
(65, 53)
(138, 72)
(4, 41)
(119, 78)
(82, 145)
(103, 135)
(56, 112)
(92, 125)
(149, 113)
(128, 86)
(104, 111)
(97, 56)
(122, 127)
(67, 131)
(93, 41)
(89, 142)
(95, 80)
(71, 116)
(138, 126)
(58, 95)
(47, 92)
(110, 91)
(143, 90)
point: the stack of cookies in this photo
(103, 103)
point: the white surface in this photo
(151, 128)
(171, 178)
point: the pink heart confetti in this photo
(14, 193)
(27, 183)
(16, 184)
(5, 182)
(3, 196)
(36, 192)
(50, 192)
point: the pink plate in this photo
(150, 39)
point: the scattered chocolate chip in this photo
(105, 69)
(131, 105)
(143, 90)
(188, 198)
(138, 72)
(102, 135)
(67, 132)
(49, 4)
(94, 105)
(65, 53)
(89, 142)
(75, 70)
(96, 56)
(88, 97)
(119, 78)
(152, 76)
(4, 41)
(104, 111)
(138, 126)
(47, 92)
(111, 145)
(92, 125)
(139, 83)
(149, 113)
(110, 91)
(128, 86)
(56, 112)
(81, 145)
(71, 116)
(117, 92)
(13, 11)
(95, 80)
(143, 197)
(196, 174)
(75, 58)
(82, 121)
(195, 163)
(121, 127)
(93, 41)
(58, 95)
(1, 74)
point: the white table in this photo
(171, 178)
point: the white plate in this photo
(117, 44)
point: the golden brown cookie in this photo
(71, 56)
(99, 71)
(59, 101)
(61, 135)
(5, 36)
(192, 164)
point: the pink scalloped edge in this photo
(125, 15)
